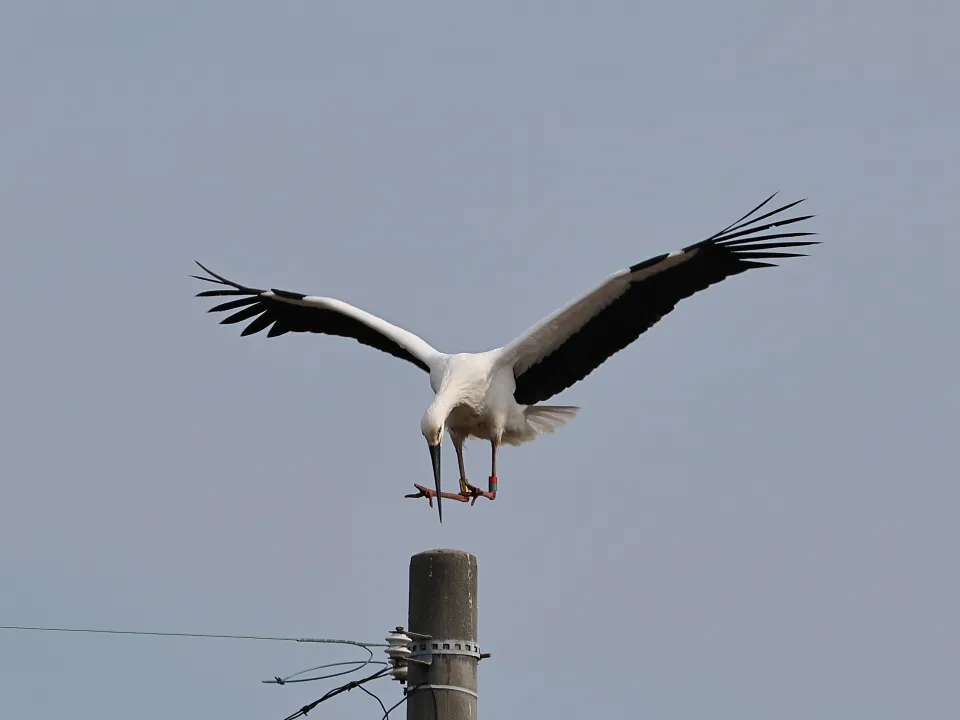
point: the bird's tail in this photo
(547, 418)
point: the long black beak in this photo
(435, 460)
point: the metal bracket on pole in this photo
(454, 688)
(427, 649)
(405, 647)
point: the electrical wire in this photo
(328, 641)
(294, 678)
(401, 701)
(377, 698)
(337, 691)
(406, 696)
(306, 709)
(290, 678)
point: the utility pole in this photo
(443, 605)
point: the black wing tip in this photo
(209, 272)
(746, 255)
(751, 241)
(749, 229)
(235, 304)
(287, 294)
(210, 277)
(215, 277)
(235, 288)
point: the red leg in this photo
(430, 494)
(458, 446)
(473, 492)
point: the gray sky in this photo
(754, 514)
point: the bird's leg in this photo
(474, 492)
(458, 446)
(430, 493)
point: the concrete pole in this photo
(443, 604)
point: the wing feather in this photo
(571, 343)
(283, 311)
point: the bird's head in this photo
(432, 428)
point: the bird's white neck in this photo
(446, 400)
(464, 381)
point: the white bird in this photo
(495, 395)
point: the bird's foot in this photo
(430, 494)
(472, 492)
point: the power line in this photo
(386, 713)
(295, 677)
(337, 691)
(327, 641)
(355, 665)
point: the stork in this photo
(496, 395)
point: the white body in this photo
(474, 398)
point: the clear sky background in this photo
(753, 516)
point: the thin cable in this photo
(406, 696)
(329, 641)
(401, 701)
(377, 698)
(433, 693)
(336, 691)
(277, 680)
(333, 693)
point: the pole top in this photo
(443, 594)
(445, 552)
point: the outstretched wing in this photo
(282, 312)
(571, 343)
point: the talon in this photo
(472, 492)
(430, 494)
(424, 492)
